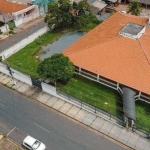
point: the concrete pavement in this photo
(106, 127)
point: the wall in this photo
(49, 89)
(3, 28)
(18, 22)
(15, 48)
(16, 74)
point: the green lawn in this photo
(95, 94)
(143, 116)
(26, 60)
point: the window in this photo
(36, 144)
(28, 145)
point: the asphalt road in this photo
(20, 116)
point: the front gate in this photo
(36, 83)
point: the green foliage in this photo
(88, 21)
(63, 14)
(142, 116)
(57, 67)
(59, 15)
(1, 31)
(26, 60)
(11, 25)
(1, 59)
(11, 32)
(134, 8)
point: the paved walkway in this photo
(118, 133)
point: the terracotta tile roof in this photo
(9, 8)
(118, 58)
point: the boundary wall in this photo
(15, 48)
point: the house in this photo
(117, 54)
(42, 4)
(98, 7)
(16, 12)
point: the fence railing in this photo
(94, 109)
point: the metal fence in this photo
(92, 108)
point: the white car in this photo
(33, 144)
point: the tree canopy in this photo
(57, 67)
(63, 14)
(134, 8)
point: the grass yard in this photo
(26, 60)
(95, 94)
(143, 116)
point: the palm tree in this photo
(134, 8)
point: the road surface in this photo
(20, 116)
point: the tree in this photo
(57, 67)
(63, 14)
(134, 8)
(58, 15)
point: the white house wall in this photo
(18, 22)
(3, 28)
(20, 17)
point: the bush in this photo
(1, 31)
(11, 32)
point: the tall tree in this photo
(58, 15)
(57, 67)
(134, 8)
(63, 14)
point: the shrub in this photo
(1, 31)
(11, 32)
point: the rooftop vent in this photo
(132, 30)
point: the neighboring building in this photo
(42, 4)
(117, 53)
(16, 12)
(98, 7)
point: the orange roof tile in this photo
(118, 58)
(9, 7)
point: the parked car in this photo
(109, 3)
(33, 144)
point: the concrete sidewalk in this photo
(106, 127)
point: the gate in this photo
(36, 83)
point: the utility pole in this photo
(4, 21)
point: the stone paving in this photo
(115, 131)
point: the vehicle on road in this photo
(33, 144)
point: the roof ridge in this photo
(143, 51)
(95, 45)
